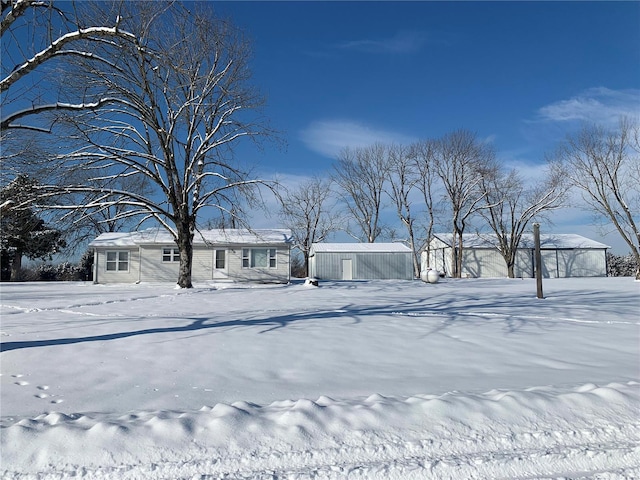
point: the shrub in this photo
(621, 265)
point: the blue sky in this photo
(520, 74)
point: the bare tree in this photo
(423, 155)
(461, 161)
(403, 179)
(604, 165)
(39, 38)
(36, 34)
(309, 211)
(360, 175)
(175, 101)
(512, 206)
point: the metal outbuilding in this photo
(360, 261)
(563, 255)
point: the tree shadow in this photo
(453, 310)
(197, 324)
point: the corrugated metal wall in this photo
(365, 265)
(439, 259)
(555, 263)
(524, 263)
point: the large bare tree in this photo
(39, 40)
(360, 174)
(461, 161)
(512, 205)
(423, 156)
(404, 177)
(604, 165)
(173, 103)
(310, 212)
(36, 37)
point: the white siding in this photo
(130, 276)
(150, 268)
(202, 268)
(582, 263)
(524, 263)
(481, 262)
(279, 274)
(149, 265)
(153, 269)
(440, 260)
(549, 263)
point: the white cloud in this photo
(402, 42)
(329, 137)
(599, 105)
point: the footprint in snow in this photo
(17, 375)
(57, 401)
(43, 387)
(41, 395)
(21, 383)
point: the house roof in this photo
(229, 236)
(360, 247)
(547, 241)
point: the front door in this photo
(347, 269)
(220, 265)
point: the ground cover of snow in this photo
(473, 378)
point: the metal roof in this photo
(547, 241)
(360, 247)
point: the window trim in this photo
(215, 259)
(118, 261)
(248, 259)
(172, 257)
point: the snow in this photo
(547, 241)
(360, 247)
(216, 236)
(473, 378)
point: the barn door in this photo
(347, 269)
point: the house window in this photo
(220, 259)
(170, 254)
(118, 261)
(259, 258)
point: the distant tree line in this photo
(455, 182)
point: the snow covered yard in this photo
(380, 379)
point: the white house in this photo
(563, 255)
(360, 261)
(221, 254)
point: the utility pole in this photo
(538, 259)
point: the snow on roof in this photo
(360, 247)
(157, 236)
(547, 241)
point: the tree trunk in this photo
(414, 254)
(16, 266)
(305, 256)
(185, 247)
(457, 250)
(511, 270)
(636, 255)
